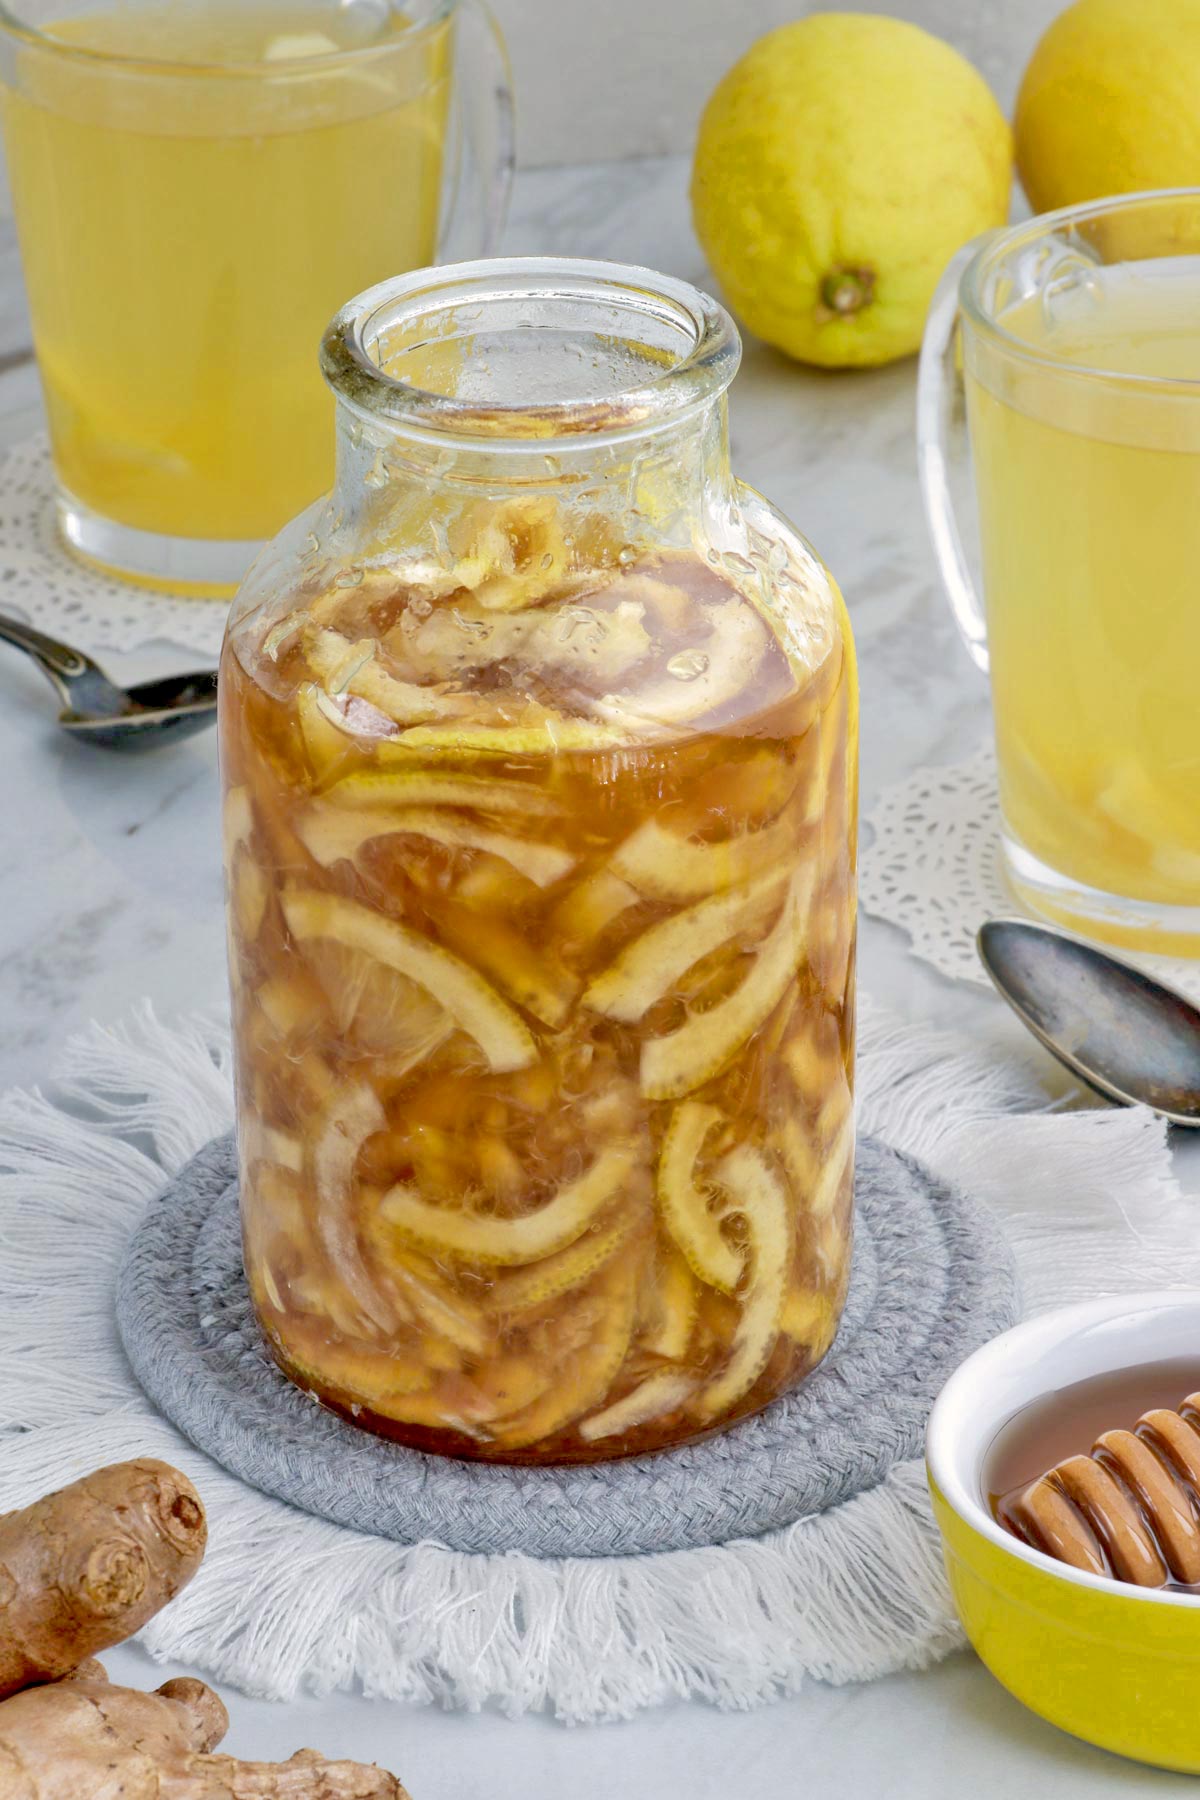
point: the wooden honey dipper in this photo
(1130, 1510)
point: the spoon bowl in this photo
(1125, 1034)
(102, 713)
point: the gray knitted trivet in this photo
(932, 1279)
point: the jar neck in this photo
(597, 385)
(668, 482)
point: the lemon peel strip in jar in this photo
(347, 668)
(592, 1370)
(684, 1205)
(433, 787)
(647, 968)
(684, 1060)
(330, 835)
(757, 1193)
(662, 865)
(475, 1237)
(658, 1394)
(570, 1268)
(474, 1006)
(352, 1117)
(670, 1319)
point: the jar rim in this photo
(708, 358)
(431, 14)
(994, 246)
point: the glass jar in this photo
(539, 755)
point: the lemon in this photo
(1110, 102)
(840, 164)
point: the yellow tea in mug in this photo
(1089, 493)
(197, 190)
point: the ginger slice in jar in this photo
(390, 788)
(663, 865)
(553, 1276)
(342, 667)
(470, 1001)
(266, 1143)
(650, 966)
(659, 1394)
(331, 835)
(756, 1192)
(707, 1042)
(684, 1205)
(483, 1238)
(583, 1379)
(353, 1116)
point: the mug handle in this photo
(483, 137)
(938, 383)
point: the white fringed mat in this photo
(287, 1603)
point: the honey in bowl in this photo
(1105, 1475)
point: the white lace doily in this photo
(42, 583)
(933, 866)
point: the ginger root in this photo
(88, 1740)
(86, 1567)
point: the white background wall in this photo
(597, 79)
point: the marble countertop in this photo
(111, 891)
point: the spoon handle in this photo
(57, 660)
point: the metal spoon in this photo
(99, 712)
(1123, 1033)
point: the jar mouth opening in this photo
(1073, 243)
(416, 17)
(530, 349)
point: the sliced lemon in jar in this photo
(756, 1192)
(475, 1007)
(663, 865)
(331, 835)
(707, 1042)
(535, 980)
(659, 1394)
(807, 1318)
(554, 734)
(585, 1378)
(651, 965)
(559, 1274)
(592, 906)
(475, 1237)
(432, 787)
(684, 1205)
(668, 1308)
(353, 1116)
(346, 668)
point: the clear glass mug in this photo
(197, 187)
(1079, 334)
(539, 755)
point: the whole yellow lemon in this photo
(840, 164)
(1110, 102)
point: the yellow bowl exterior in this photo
(1109, 1666)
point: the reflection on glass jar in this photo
(539, 752)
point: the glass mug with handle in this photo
(1080, 354)
(197, 187)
